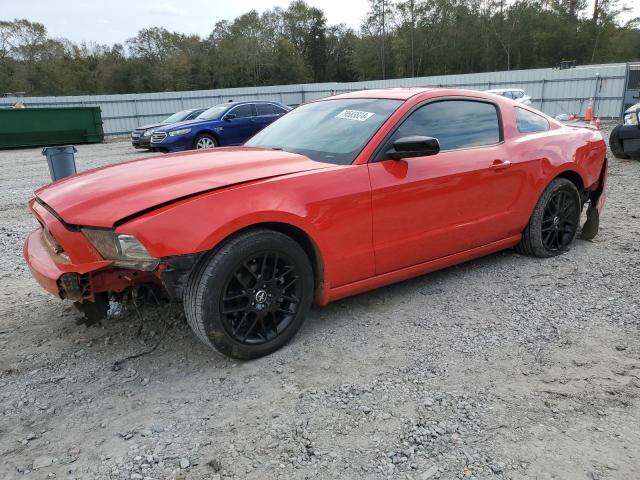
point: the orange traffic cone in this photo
(598, 123)
(588, 115)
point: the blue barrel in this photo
(61, 160)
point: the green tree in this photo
(289, 66)
(305, 28)
(397, 38)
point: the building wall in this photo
(552, 91)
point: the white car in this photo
(513, 93)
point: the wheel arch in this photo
(573, 176)
(206, 131)
(299, 235)
(302, 238)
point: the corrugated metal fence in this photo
(552, 91)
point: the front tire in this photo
(205, 141)
(249, 297)
(554, 222)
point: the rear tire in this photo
(204, 141)
(250, 296)
(616, 145)
(554, 222)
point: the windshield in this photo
(177, 117)
(333, 131)
(213, 112)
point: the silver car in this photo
(516, 94)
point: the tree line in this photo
(296, 45)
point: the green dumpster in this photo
(33, 127)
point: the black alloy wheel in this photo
(260, 298)
(560, 221)
(554, 222)
(249, 296)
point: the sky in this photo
(111, 21)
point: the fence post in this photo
(627, 74)
(542, 93)
(595, 94)
(135, 109)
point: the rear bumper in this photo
(599, 195)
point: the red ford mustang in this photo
(337, 197)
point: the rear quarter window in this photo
(528, 121)
(265, 109)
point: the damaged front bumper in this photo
(64, 280)
(89, 285)
(65, 264)
(80, 282)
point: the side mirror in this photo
(415, 146)
(229, 116)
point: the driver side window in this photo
(454, 123)
(242, 111)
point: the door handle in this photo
(500, 164)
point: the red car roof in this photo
(386, 93)
(405, 93)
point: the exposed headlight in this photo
(125, 250)
(182, 131)
(631, 118)
(147, 133)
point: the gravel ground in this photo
(505, 367)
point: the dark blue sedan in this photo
(141, 136)
(223, 125)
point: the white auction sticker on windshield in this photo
(356, 115)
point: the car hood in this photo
(104, 196)
(147, 127)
